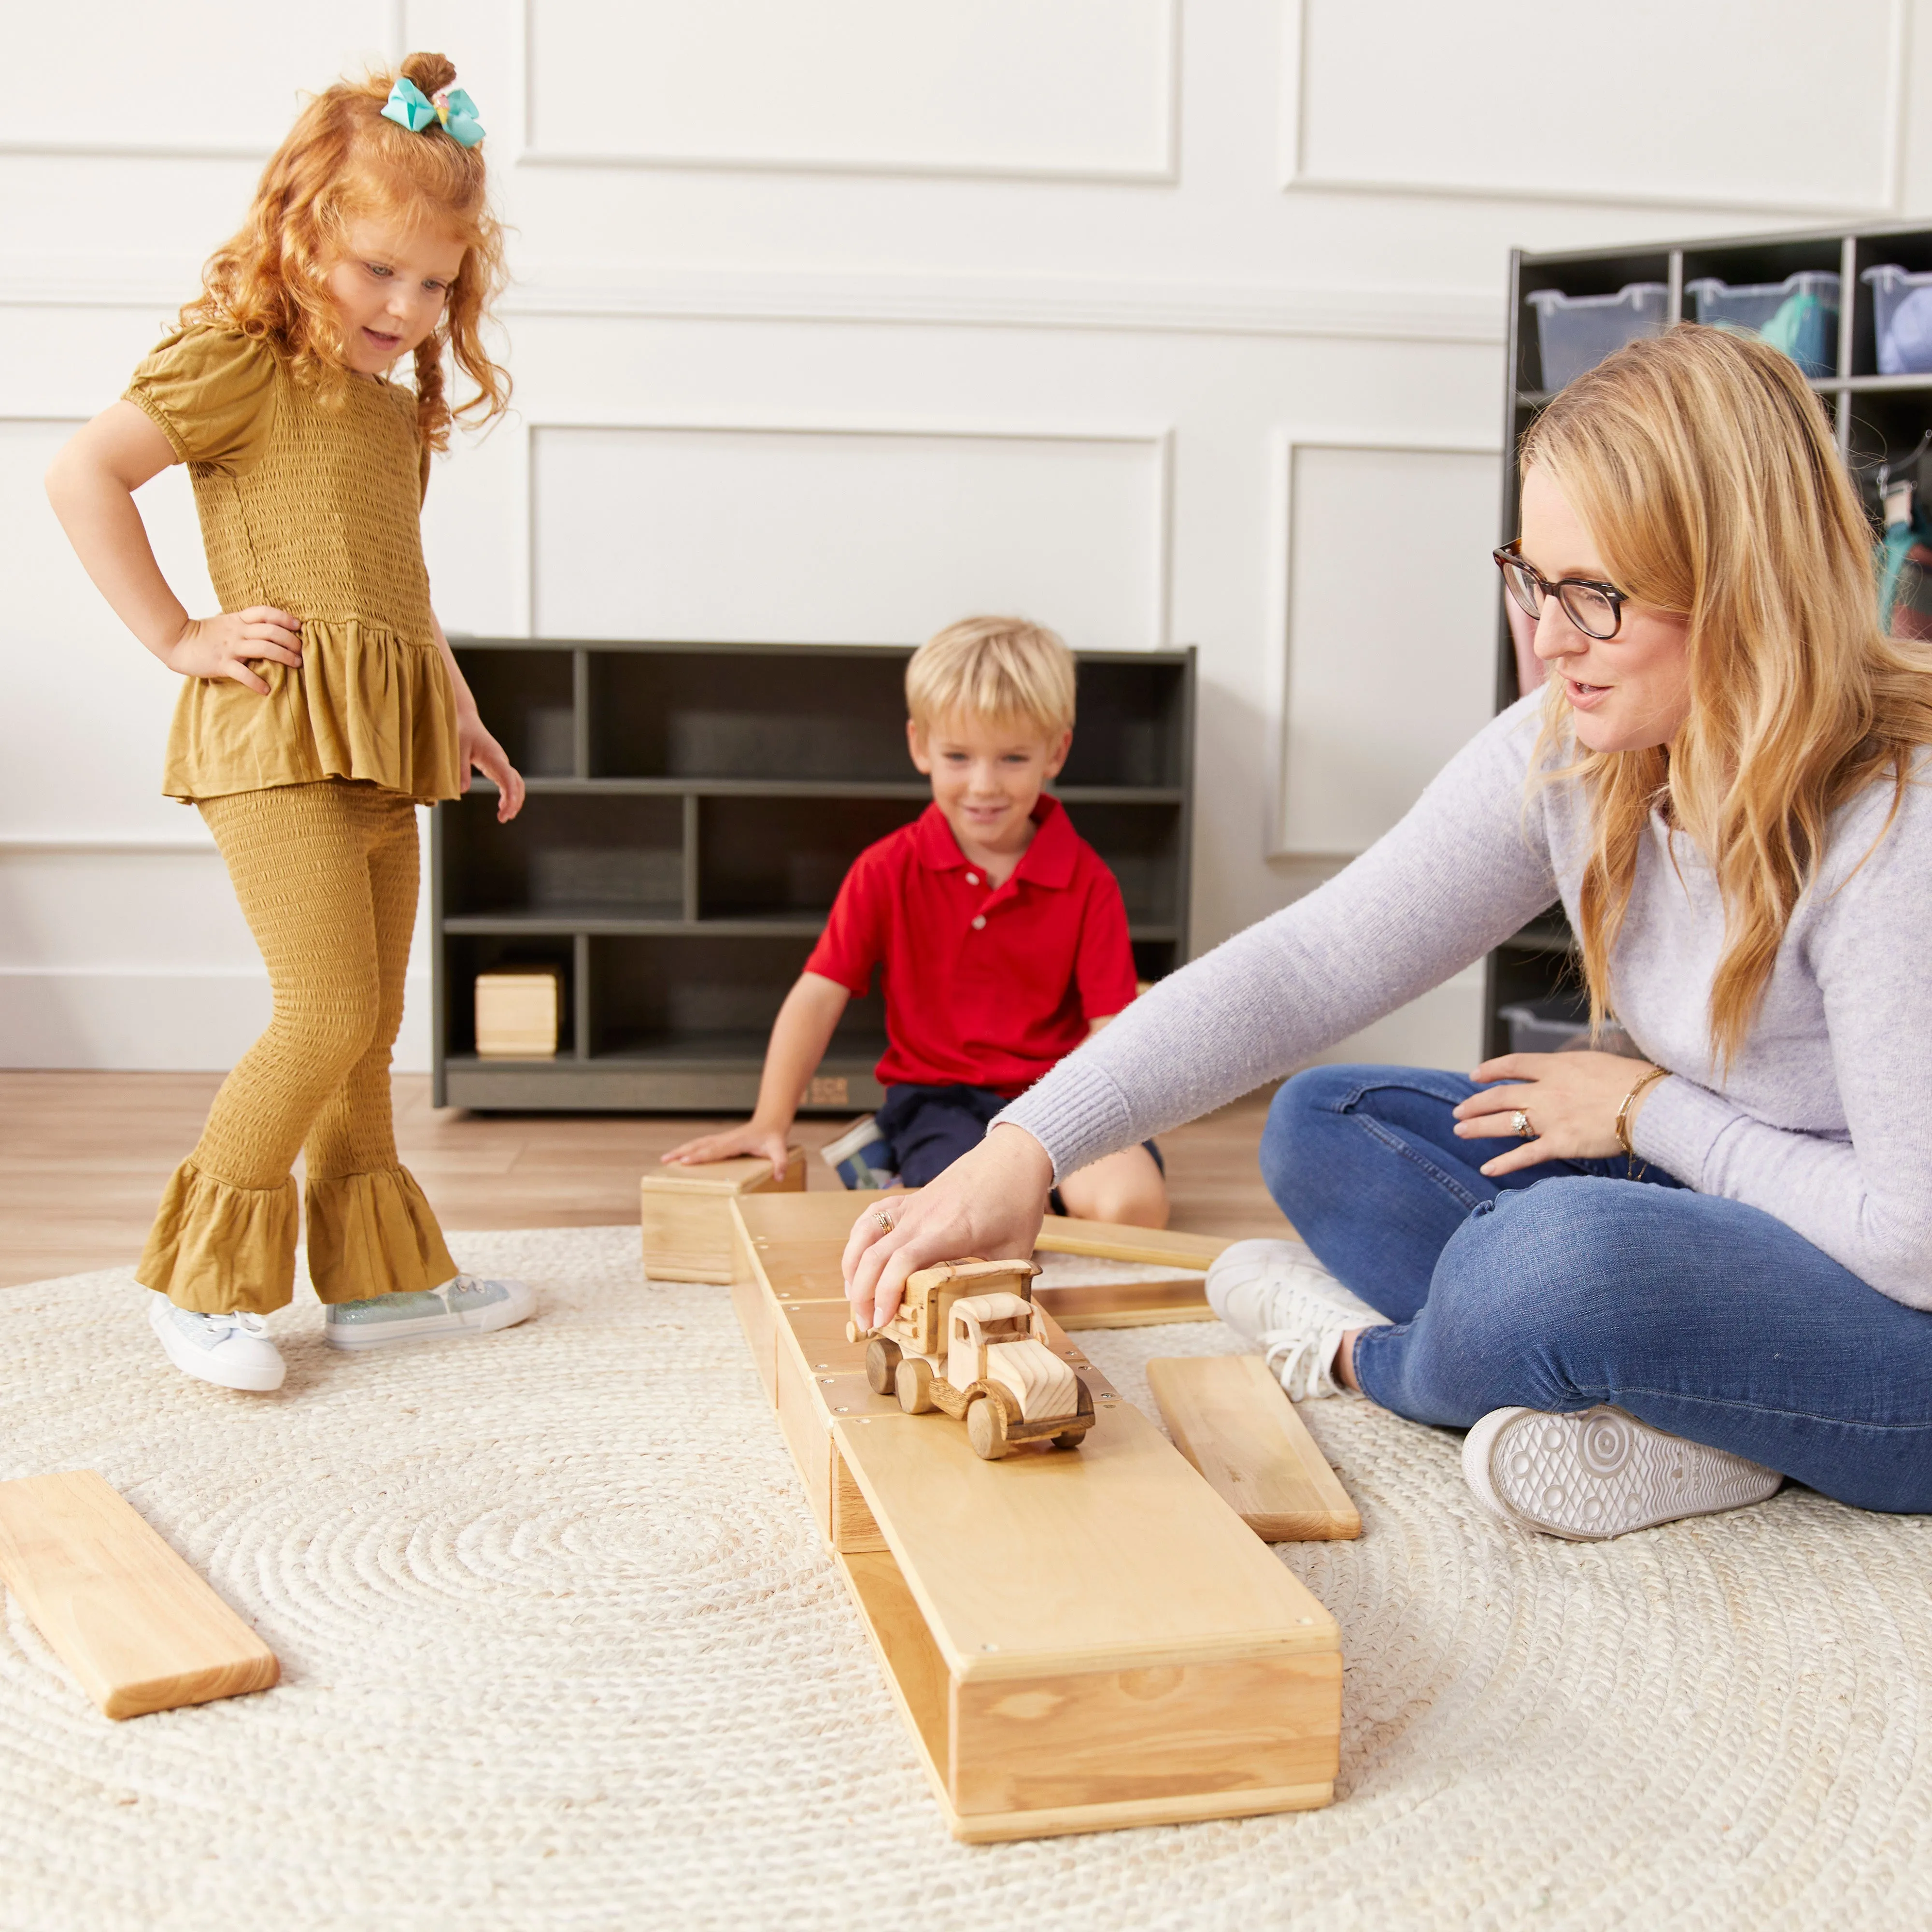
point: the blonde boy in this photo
(1000, 934)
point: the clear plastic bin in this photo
(1902, 312)
(1576, 332)
(1799, 315)
(1545, 1026)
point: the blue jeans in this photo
(1569, 1284)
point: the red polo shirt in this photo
(985, 986)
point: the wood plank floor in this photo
(83, 1157)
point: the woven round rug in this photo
(561, 1647)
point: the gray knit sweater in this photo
(1824, 1118)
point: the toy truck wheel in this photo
(882, 1363)
(913, 1384)
(986, 1429)
(1070, 1438)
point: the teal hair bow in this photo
(452, 109)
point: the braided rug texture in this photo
(561, 1649)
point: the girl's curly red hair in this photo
(341, 159)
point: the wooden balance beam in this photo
(1077, 1640)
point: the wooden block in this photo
(688, 1233)
(1231, 1419)
(139, 1628)
(519, 1012)
(1077, 1641)
(1113, 1241)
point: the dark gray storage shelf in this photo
(692, 809)
(1876, 418)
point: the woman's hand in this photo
(224, 646)
(988, 1203)
(768, 1142)
(475, 746)
(1571, 1100)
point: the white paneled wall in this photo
(1166, 321)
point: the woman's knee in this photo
(1306, 1107)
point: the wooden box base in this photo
(1077, 1640)
(689, 1234)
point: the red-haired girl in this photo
(322, 704)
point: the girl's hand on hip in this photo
(1571, 1101)
(227, 647)
(478, 749)
(987, 1205)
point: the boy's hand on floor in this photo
(988, 1203)
(767, 1143)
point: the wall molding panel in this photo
(1031, 45)
(845, 440)
(1403, 584)
(1887, 106)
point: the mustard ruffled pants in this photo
(327, 877)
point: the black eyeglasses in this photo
(1596, 609)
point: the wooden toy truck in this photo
(967, 1340)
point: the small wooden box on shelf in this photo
(519, 1012)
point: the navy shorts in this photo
(928, 1128)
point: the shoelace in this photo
(1300, 1361)
(231, 1319)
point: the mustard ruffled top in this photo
(313, 506)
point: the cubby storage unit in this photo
(1878, 419)
(692, 809)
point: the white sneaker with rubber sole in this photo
(1600, 1473)
(230, 1351)
(463, 1307)
(1277, 1296)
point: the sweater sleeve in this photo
(1467, 866)
(1866, 1201)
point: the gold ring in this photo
(884, 1220)
(1521, 1122)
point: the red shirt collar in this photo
(1047, 859)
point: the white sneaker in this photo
(1600, 1473)
(231, 1351)
(463, 1306)
(1275, 1295)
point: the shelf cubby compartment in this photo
(1141, 846)
(764, 857)
(529, 697)
(469, 954)
(782, 713)
(568, 857)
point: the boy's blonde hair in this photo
(1003, 669)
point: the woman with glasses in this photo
(1647, 1289)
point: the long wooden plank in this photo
(1127, 1304)
(1113, 1241)
(1230, 1418)
(133, 1622)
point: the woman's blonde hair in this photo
(1704, 468)
(341, 159)
(1002, 670)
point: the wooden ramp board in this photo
(138, 1628)
(1231, 1419)
(1125, 1304)
(1114, 1241)
(1078, 1641)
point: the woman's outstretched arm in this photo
(1466, 867)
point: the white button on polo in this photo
(978, 920)
(972, 878)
